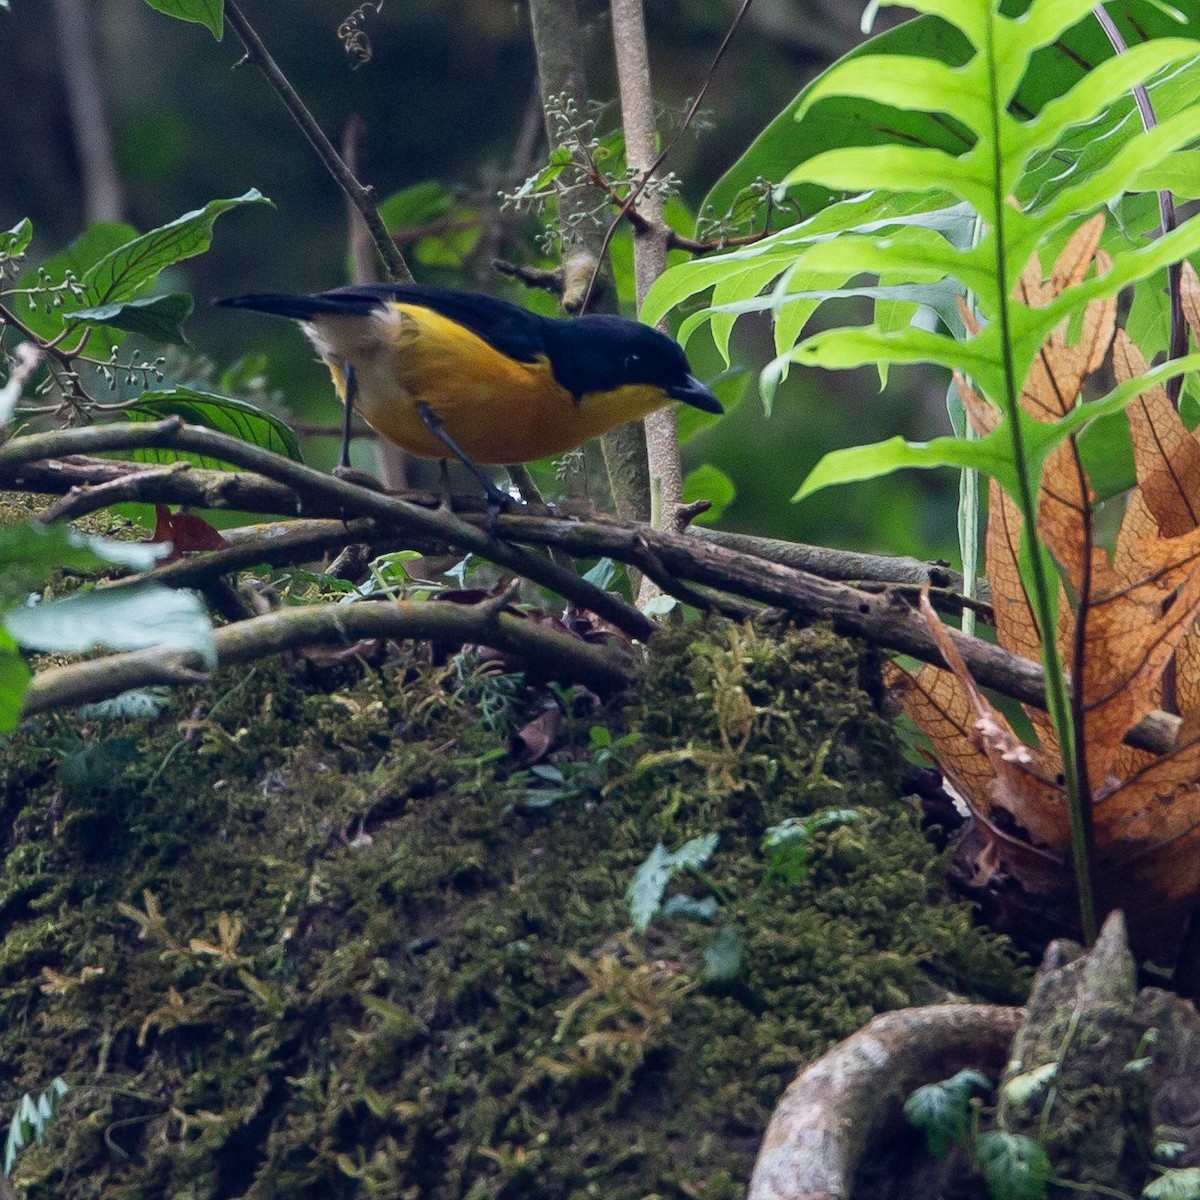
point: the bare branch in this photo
(352, 500)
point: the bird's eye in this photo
(632, 362)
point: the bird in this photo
(445, 373)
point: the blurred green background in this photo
(111, 109)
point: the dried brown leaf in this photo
(1023, 795)
(1165, 454)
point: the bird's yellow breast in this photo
(497, 410)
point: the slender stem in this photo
(1166, 210)
(363, 198)
(648, 174)
(1044, 597)
(1078, 656)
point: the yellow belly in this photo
(496, 409)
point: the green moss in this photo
(320, 936)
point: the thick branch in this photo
(540, 648)
(760, 571)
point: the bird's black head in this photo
(603, 353)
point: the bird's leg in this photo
(351, 392)
(344, 470)
(496, 499)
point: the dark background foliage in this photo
(444, 97)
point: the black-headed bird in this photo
(442, 372)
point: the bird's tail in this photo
(304, 308)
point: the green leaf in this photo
(129, 269)
(1029, 1085)
(857, 463)
(45, 314)
(710, 483)
(14, 680)
(837, 123)
(645, 891)
(31, 554)
(127, 618)
(138, 704)
(157, 317)
(234, 417)
(786, 844)
(415, 204)
(723, 955)
(209, 13)
(690, 908)
(1014, 1167)
(1182, 1183)
(15, 241)
(942, 1111)
(30, 1120)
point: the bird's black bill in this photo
(693, 392)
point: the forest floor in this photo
(360, 928)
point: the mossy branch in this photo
(542, 650)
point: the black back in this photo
(587, 354)
(509, 328)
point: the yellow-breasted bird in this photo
(442, 372)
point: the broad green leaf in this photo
(942, 1110)
(14, 680)
(47, 300)
(801, 249)
(1014, 1166)
(31, 554)
(209, 13)
(710, 483)
(835, 122)
(129, 269)
(158, 318)
(415, 204)
(234, 417)
(1178, 173)
(1182, 1183)
(126, 618)
(842, 121)
(992, 454)
(857, 463)
(648, 884)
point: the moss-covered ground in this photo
(320, 932)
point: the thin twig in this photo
(648, 174)
(363, 198)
